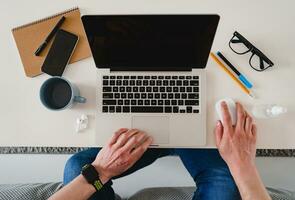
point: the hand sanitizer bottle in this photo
(268, 111)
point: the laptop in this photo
(150, 75)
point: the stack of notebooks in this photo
(29, 37)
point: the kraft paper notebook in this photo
(29, 37)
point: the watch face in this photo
(92, 176)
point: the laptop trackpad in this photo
(156, 126)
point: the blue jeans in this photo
(207, 168)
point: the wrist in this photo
(103, 177)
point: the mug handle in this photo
(79, 99)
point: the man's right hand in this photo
(122, 151)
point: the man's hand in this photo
(123, 150)
(236, 144)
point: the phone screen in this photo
(60, 53)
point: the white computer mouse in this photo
(231, 107)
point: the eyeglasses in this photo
(240, 45)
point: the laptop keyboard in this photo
(150, 94)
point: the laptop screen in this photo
(150, 42)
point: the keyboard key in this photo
(130, 95)
(174, 77)
(126, 77)
(175, 109)
(139, 82)
(194, 83)
(170, 95)
(126, 109)
(118, 82)
(177, 95)
(160, 102)
(189, 89)
(167, 102)
(135, 89)
(168, 109)
(163, 95)
(127, 102)
(109, 102)
(141, 89)
(105, 109)
(185, 83)
(122, 89)
(147, 102)
(105, 77)
(118, 109)
(106, 89)
(112, 77)
(140, 102)
(154, 77)
(181, 111)
(145, 82)
(196, 111)
(125, 82)
(165, 82)
(172, 83)
(152, 82)
(193, 96)
(148, 89)
(169, 89)
(147, 109)
(136, 95)
(133, 102)
(150, 95)
(117, 95)
(181, 77)
(188, 77)
(120, 102)
(159, 83)
(132, 82)
(195, 77)
(112, 109)
(155, 89)
(195, 89)
(107, 95)
(105, 82)
(128, 89)
(123, 95)
(192, 102)
(167, 77)
(143, 95)
(180, 102)
(133, 77)
(119, 77)
(189, 109)
(179, 83)
(112, 82)
(154, 102)
(115, 89)
(175, 89)
(174, 102)
(161, 77)
(162, 89)
(183, 95)
(182, 89)
(139, 77)
(147, 77)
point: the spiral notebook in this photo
(28, 38)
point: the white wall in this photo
(276, 172)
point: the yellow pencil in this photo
(231, 75)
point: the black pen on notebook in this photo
(50, 36)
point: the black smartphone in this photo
(59, 53)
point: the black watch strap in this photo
(91, 175)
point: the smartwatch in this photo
(92, 177)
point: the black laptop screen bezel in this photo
(210, 30)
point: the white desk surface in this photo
(268, 24)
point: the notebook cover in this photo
(29, 37)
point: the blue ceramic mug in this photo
(57, 93)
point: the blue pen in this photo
(241, 77)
